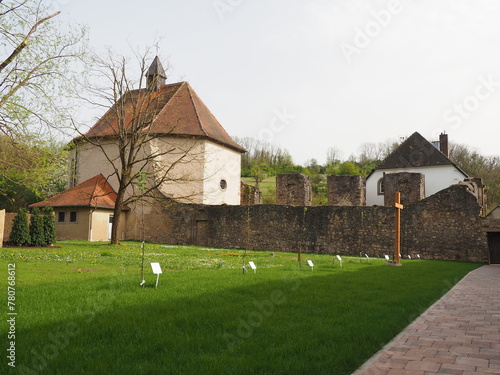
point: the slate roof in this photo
(416, 151)
(174, 109)
(95, 192)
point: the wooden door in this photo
(201, 235)
(494, 246)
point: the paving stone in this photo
(458, 335)
(422, 366)
(472, 361)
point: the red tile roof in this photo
(95, 192)
(174, 109)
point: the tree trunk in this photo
(117, 217)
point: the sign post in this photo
(156, 270)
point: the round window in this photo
(223, 184)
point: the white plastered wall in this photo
(436, 178)
(194, 168)
(221, 164)
(182, 165)
(91, 160)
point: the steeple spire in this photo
(155, 76)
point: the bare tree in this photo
(36, 55)
(333, 155)
(126, 136)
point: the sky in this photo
(317, 74)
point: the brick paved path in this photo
(459, 334)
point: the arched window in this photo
(380, 186)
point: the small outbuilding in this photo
(85, 211)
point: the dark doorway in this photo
(201, 233)
(494, 246)
(200, 228)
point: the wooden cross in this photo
(397, 239)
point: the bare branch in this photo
(25, 41)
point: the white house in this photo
(416, 155)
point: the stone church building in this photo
(201, 162)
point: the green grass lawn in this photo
(81, 310)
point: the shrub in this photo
(49, 226)
(37, 229)
(20, 235)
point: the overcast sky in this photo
(313, 74)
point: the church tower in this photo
(155, 76)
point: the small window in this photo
(61, 217)
(223, 184)
(72, 217)
(380, 186)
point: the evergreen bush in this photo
(20, 235)
(37, 229)
(49, 226)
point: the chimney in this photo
(155, 76)
(443, 144)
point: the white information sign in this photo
(253, 266)
(156, 268)
(387, 257)
(157, 271)
(311, 264)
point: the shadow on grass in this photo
(324, 323)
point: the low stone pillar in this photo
(410, 185)
(293, 189)
(250, 195)
(346, 190)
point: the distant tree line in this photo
(264, 159)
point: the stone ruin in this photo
(410, 185)
(293, 189)
(346, 190)
(476, 187)
(250, 195)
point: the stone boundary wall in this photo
(446, 225)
